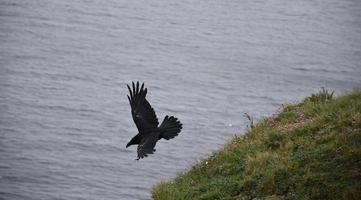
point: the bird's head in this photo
(129, 143)
(134, 140)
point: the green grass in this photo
(311, 150)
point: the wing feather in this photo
(142, 112)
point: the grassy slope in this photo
(308, 151)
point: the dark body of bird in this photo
(147, 122)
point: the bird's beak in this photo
(127, 145)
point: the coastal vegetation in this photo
(311, 150)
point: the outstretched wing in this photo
(147, 144)
(143, 114)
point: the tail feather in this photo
(170, 127)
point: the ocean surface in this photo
(64, 66)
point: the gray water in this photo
(64, 66)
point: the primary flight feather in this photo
(147, 122)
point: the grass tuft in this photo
(322, 96)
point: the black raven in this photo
(147, 122)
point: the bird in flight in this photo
(147, 122)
